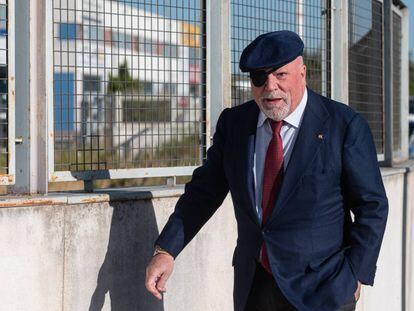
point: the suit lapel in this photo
(247, 157)
(304, 150)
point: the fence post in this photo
(31, 107)
(404, 88)
(218, 62)
(388, 83)
(340, 46)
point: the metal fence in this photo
(4, 119)
(126, 80)
(129, 84)
(396, 76)
(310, 19)
(366, 64)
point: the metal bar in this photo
(122, 173)
(404, 255)
(38, 108)
(339, 54)
(11, 104)
(388, 83)
(396, 88)
(31, 109)
(404, 89)
(88, 185)
(218, 62)
(205, 127)
(324, 43)
(299, 17)
(22, 97)
(49, 87)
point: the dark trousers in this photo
(265, 295)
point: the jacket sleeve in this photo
(365, 195)
(202, 196)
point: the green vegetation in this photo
(3, 163)
(123, 82)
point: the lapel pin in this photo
(320, 136)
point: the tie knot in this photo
(276, 126)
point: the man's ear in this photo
(303, 71)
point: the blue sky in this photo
(410, 5)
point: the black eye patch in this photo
(259, 77)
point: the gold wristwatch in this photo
(159, 250)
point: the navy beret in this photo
(271, 50)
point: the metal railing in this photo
(130, 89)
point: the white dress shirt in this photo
(288, 132)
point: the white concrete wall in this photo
(93, 257)
(31, 267)
(386, 294)
(410, 243)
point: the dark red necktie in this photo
(272, 180)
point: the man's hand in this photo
(158, 271)
(358, 291)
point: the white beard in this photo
(276, 113)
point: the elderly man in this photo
(297, 164)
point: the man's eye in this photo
(281, 74)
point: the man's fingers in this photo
(151, 284)
(157, 274)
(357, 293)
(162, 281)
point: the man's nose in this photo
(271, 83)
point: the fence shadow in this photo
(122, 274)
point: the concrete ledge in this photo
(100, 195)
(390, 171)
(133, 193)
(409, 165)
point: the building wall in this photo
(93, 256)
(410, 242)
(386, 294)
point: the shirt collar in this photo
(294, 118)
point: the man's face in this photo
(282, 91)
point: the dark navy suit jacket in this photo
(317, 253)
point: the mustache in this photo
(274, 95)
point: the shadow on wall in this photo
(122, 274)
